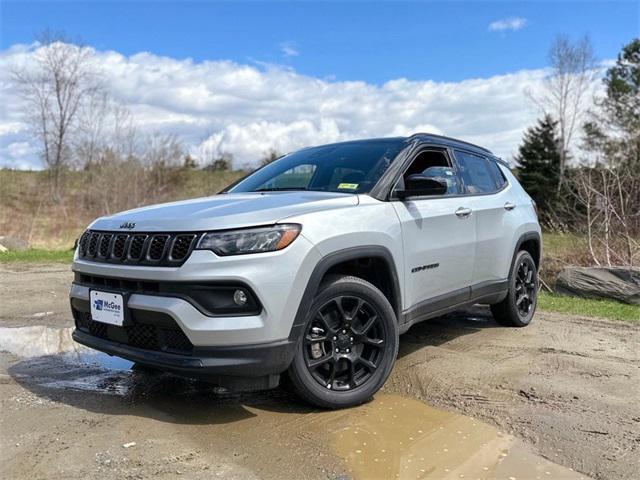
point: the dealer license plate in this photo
(107, 307)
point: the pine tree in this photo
(538, 162)
(613, 130)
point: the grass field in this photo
(588, 307)
(37, 255)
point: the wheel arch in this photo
(532, 243)
(331, 262)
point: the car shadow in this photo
(440, 330)
(85, 382)
(101, 384)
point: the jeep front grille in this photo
(160, 249)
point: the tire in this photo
(348, 347)
(519, 306)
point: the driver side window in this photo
(433, 164)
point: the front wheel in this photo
(349, 345)
(518, 307)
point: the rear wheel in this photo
(349, 345)
(518, 307)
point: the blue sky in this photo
(247, 77)
(372, 42)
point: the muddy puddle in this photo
(391, 437)
(396, 437)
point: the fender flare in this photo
(333, 259)
(524, 238)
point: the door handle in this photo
(463, 212)
(509, 206)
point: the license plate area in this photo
(108, 307)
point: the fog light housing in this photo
(240, 298)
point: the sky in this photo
(249, 76)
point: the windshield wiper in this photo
(278, 189)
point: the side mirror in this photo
(417, 185)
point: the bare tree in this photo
(566, 89)
(609, 203)
(55, 87)
(270, 156)
(92, 135)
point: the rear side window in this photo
(479, 174)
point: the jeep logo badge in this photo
(128, 225)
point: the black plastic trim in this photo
(449, 141)
(329, 261)
(176, 290)
(425, 309)
(486, 292)
(524, 238)
(489, 288)
(204, 362)
(380, 190)
(166, 260)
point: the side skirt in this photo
(492, 291)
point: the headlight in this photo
(250, 240)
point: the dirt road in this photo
(565, 388)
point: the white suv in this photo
(311, 266)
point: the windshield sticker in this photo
(348, 186)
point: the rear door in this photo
(489, 196)
(438, 236)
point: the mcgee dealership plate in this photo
(107, 307)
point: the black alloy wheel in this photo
(343, 344)
(518, 307)
(349, 345)
(525, 286)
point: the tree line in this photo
(80, 127)
(597, 192)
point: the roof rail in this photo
(455, 140)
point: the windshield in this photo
(352, 167)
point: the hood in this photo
(231, 210)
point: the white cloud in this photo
(222, 106)
(289, 49)
(511, 23)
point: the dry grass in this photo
(560, 250)
(28, 211)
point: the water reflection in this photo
(396, 437)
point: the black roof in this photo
(431, 138)
(453, 142)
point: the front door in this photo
(438, 236)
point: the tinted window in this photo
(497, 174)
(432, 164)
(477, 173)
(296, 177)
(353, 167)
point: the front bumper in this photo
(248, 367)
(174, 332)
(152, 337)
(278, 280)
